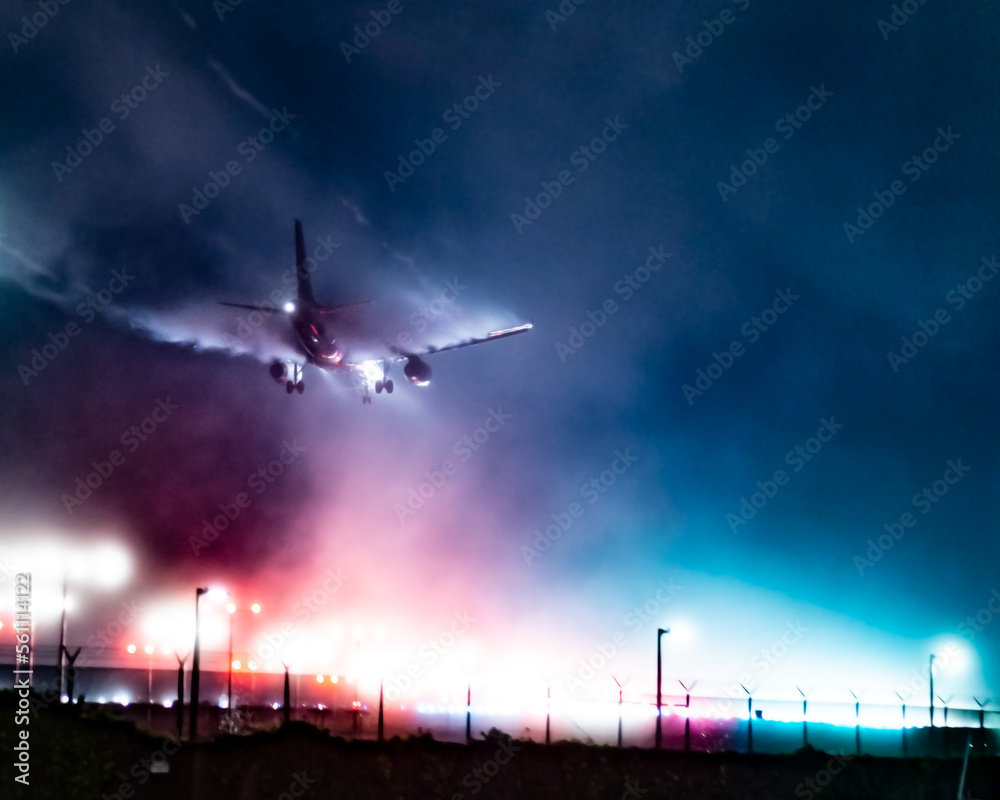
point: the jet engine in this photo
(278, 371)
(417, 371)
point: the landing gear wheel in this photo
(366, 400)
(378, 387)
(300, 387)
(289, 387)
(388, 387)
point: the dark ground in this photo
(88, 755)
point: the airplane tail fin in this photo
(305, 284)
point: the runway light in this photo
(289, 307)
(148, 649)
(217, 593)
(231, 608)
(255, 608)
(131, 648)
(237, 664)
(319, 679)
(334, 679)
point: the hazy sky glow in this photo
(757, 405)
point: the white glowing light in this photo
(255, 608)
(289, 307)
(148, 649)
(372, 370)
(110, 565)
(131, 648)
(216, 593)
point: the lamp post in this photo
(749, 718)
(687, 716)
(659, 685)
(930, 670)
(196, 665)
(180, 694)
(148, 650)
(903, 701)
(857, 722)
(468, 715)
(286, 698)
(620, 689)
(62, 642)
(149, 683)
(982, 721)
(805, 708)
(196, 659)
(381, 717)
(944, 703)
(233, 611)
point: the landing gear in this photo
(296, 384)
(383, 384)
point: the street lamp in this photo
(621, 687)
(687, 716)
(196, 660)
(148, 649)
(930, 670)
(233, 611)
(659, 685)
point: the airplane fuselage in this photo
(317, 342)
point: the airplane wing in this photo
(262, 309)
(467, 343)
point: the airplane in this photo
(317, 344)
